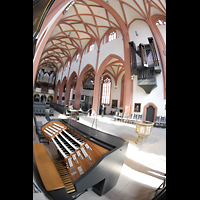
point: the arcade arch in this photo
(64, 82)
(88, 69)
(113, 65)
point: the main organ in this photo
(88, 158)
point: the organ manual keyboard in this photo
(88, 159)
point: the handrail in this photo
(95, 119)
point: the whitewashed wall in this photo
(89, 58)
(143, 31)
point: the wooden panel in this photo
(48, 172)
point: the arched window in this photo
(91, 47)
(112, 36)
(106, 91)
(160, 22)
(77, 57)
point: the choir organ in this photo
(89, 158)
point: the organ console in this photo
(88, 158)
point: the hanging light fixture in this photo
(132, 77)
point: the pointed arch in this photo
(78, 85)
(106, 61)
(101, 70)
(145, 111)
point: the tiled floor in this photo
(144, 166)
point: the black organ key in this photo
(74, 137)
(71, 146)
(66, 147)
(61, 149)
(69, 141)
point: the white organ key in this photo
(70, 162)
(58, 125)
(65, 156)
(52, 129)
(68, 141)
(48, 133)
(57, 128)
(64, 145)
(80, 143)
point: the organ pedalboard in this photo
(88, 158)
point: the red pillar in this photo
(67, 93)
(128, 83)
(78, 94)
(160, 44)
(61, 90)
(96, 94)
(56, 91)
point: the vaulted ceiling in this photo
(86, 20)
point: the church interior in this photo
(99, 99)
